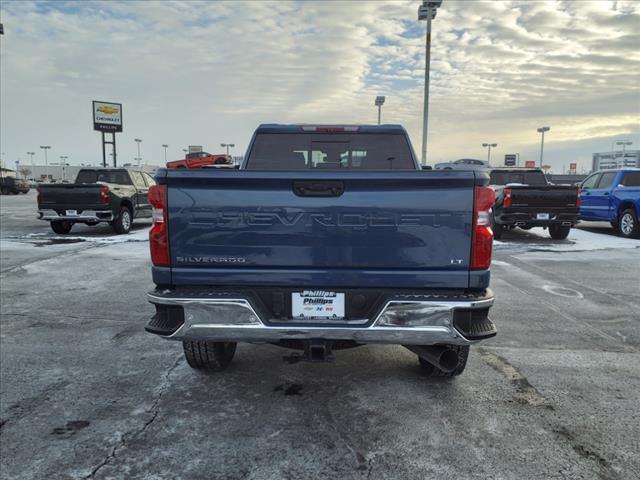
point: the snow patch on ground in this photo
(537, 239)
(141, 235)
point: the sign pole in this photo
(114, 149)
(104, 153)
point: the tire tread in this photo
(204, 355)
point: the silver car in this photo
(463, 164)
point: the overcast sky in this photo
(205, 73)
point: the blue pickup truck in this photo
(327, 237)
(613, 196)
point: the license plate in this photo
(72, 213)
(543, 216)
(317, 304)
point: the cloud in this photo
(209, 72)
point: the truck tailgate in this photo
(405, 229)
(547, 196)
(62, 196)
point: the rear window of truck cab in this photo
(506, 177)
(119, 177)
(306, 151)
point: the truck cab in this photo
(328, 237)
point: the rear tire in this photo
(497, 229)
(559, 232)
(204, 355)
(628, 225)
(61, 227)
(432, 371)
(122, 224)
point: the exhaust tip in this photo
(448, 360)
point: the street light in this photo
(46, 162)
(427, 11)
(489, 145)
(165, 146)
(31, 154)
(542, 130)
(63, 162)
(624, 143)
(138, 141)
(227, 145)
(45, 148)
(378, 103)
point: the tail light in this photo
(159, 235)
(578, 198)
(482, 235)
(507, 198)
(104, 195)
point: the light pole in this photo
(427, 11)
(227, 145)
(31, 154)
(378, 103)
(624, 143)
(165, 146)
(489, 145)
(63, 162)
(542, 130)
(138, 142)
(46, 162)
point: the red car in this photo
(202, 159)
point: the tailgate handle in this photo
(318, 188)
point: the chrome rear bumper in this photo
(406, 320)
(85, 216)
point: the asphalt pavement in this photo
(85, 393)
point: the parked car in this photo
(463, 164)
(328, 237)
(525, 199)
(613, 196)
(202, 159)
(13, 185)
(113, 195)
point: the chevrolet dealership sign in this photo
(107, 117)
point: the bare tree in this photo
(25, 172)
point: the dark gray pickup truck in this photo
(113, 195)
(526, 199)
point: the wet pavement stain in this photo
(70, 428)
(58, 241)
(606, 471)
(526, 393)
(289, 389)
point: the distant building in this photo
(612, 160)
